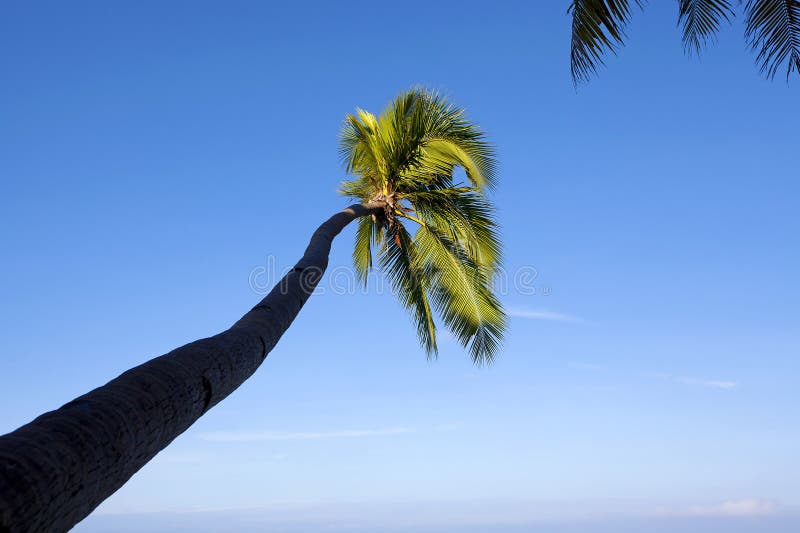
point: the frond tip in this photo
(405, 159)
(700, 21)
(597, 27)
(773, 30)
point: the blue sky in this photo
(157, 157)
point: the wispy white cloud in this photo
(692, 381)
(542, 314)
(733, 508)
(254, 436)
(739, 508)
(710, 383)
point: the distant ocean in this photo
(252, 522)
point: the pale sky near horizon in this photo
(160, 159)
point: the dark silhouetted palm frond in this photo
(700, 20)
(597, 26)
(773, 31)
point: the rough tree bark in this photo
(55, 470)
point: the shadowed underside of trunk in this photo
(55, 470)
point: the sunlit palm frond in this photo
(399, 260)
(442, 155)
(448, 126)
(773, 31)
(461, 293)
(416, 140)
(444, 139)
(362, 251)
(465, 217)
(700, 21)
(402, 130)
(360, 148)
(597, 27)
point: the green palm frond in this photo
(461, 293)
(441, 155)
(448, 124)
(399, 260)
(773, 29)
(418, 138)
(466, 217)
(369, 233)
(700, 21)
(359, 148)
(406, 160)
(597, 27)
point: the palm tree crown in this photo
(435, 237)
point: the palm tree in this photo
(434, 237)
(772, 30)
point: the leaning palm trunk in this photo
(55, 470)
